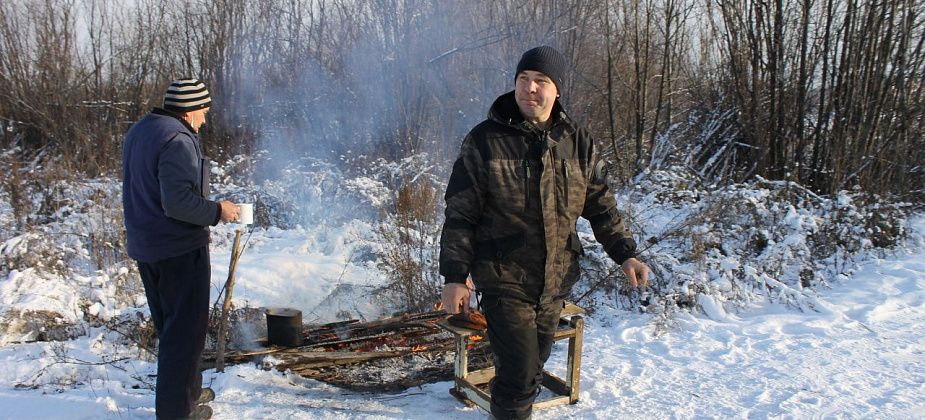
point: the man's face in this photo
(197, 118)
(535, 93)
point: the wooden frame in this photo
(471, 387)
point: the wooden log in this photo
(347, 328)
(309, 360)
(229, 288)
(352, 342)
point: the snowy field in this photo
(859, 354)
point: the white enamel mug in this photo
(246, 217)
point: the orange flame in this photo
(475, 338)
(418, 348)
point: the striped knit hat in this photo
(184, 95)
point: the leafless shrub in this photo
(106, 241)
(30, 249)
(137, 330)
(14, 187)
(409, 237)
(38, 325)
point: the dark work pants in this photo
(178, 295)
(521, 335)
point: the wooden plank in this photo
(477, 396)
(461, 397)
(552, 402)
(555, 383)
(461, 364)
(460, 331)
(573, 374)
(482, 376)
(308, 360)
(352, 339)
(571, 309)
(562, 334)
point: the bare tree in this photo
(826, 93)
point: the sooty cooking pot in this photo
(284, 327)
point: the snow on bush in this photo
(718, 248)
(712, 248)
(68, 266)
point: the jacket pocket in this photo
(498, 252)
(507, 179)
(499, 249)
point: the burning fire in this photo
(418, 348)
(475, 338)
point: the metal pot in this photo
(284, 327)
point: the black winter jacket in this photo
(513, 200)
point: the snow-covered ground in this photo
(859, 354)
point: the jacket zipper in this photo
(565, 174)
(527, 175)
(552, 165)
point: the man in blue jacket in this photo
(165, 189)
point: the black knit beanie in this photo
(184, 95)
(546, 60)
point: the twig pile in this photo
(389, 354)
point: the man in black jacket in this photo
(522, 179)
(165, 189)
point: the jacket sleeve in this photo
(601, 210)
(464, 201)
(179, 173)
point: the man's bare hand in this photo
(230, 211)
(455, 298)
(637, 273)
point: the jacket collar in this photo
(164, 112)
(505, 111)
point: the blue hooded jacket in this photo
(164, 188)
